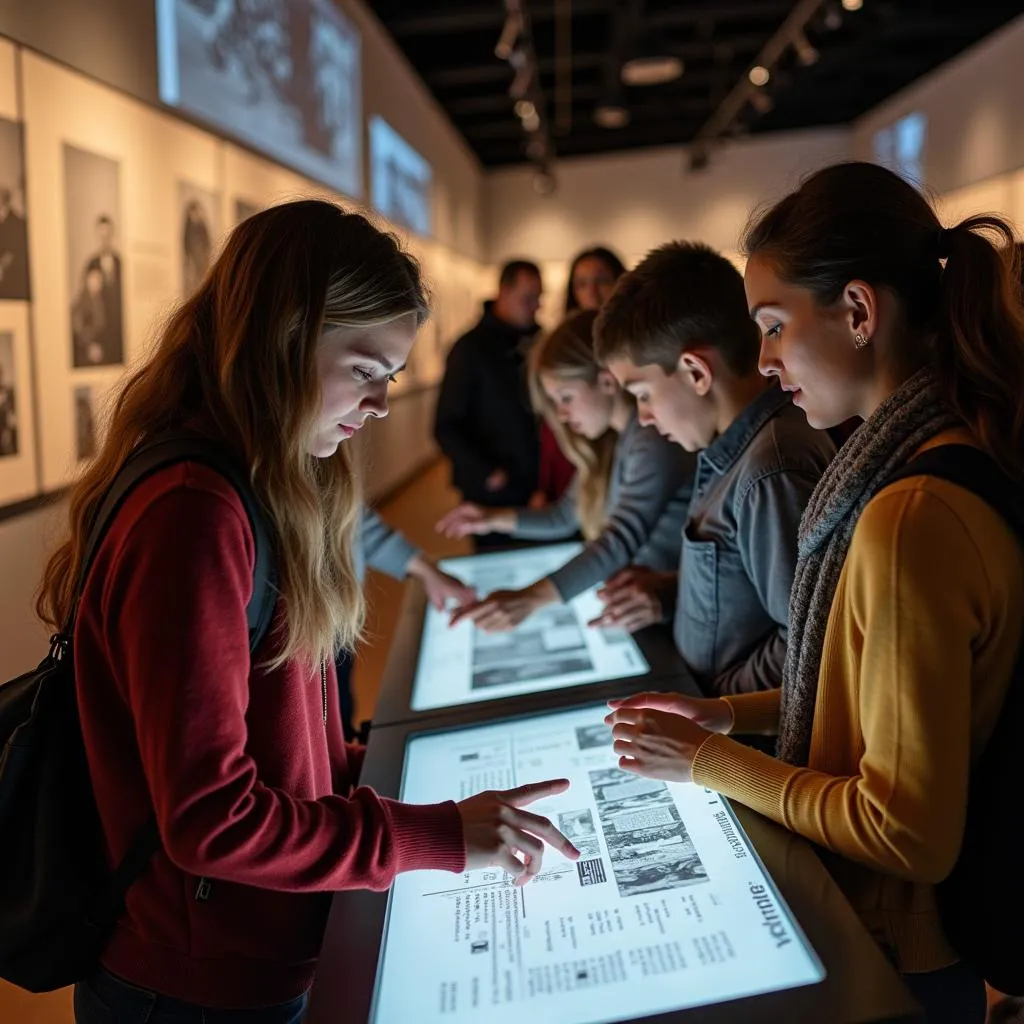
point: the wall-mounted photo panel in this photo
(17, 413)
(282, 75)
(401, 181)
(14, 262)
(199, 212)
(105, 218)
(92, 189)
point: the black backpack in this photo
(59, 900)
(981, 903)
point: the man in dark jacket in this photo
(484, 422)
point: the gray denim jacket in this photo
(740, 545)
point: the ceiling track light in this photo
(805, 52)
(759, 75)
(509, 35)
(521, 83)
(762, 102)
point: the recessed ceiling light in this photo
(852, 5)
(651, 70)
(759, 75)
(611, 115)
(524, 108)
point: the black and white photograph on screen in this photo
(578, 826)
(244, 210)
(400, 179)
(92, 191)
(8, 398)
(649, 846)
(14, 275)
(85, 424)
(200, 229)
(549, 643)
(590, 737)
(284, 75)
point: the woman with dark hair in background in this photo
(905, 612)
(592, 277)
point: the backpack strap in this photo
(168, 450)
(973, 470)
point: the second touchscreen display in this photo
(551, 649)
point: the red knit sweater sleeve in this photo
(176, 639)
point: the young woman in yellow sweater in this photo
(905, 613)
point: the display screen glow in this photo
(282, 75)
(400, 179)
(551, 649)
(668, 907)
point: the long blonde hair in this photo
(568, 353)
(238, 359)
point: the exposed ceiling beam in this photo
(651, 114)
(472, 17)
(498, 71)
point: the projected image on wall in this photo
(282, 75)
(400, 178)
(900, 147)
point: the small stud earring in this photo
(859, 340)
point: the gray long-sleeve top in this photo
(646, 506)
(381, 548)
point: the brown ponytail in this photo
(979, 337)
(956, 286)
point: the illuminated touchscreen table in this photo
(553, 648)
(668, 907)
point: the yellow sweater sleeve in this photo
(915, 596)
(755, 712)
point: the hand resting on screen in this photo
(635, 598)
(440, 587)
(657, 735)
(503, 610)
(473, 520)
(499, 833)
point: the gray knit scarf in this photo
(913, 414)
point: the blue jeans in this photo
(106, 999)
(954, 995)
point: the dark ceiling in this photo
(865, 56)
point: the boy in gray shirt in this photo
(677, 335)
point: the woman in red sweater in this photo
(282, 354)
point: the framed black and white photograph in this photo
(95, 269)
(14, 267)
(200, 231)
(244, 210)
(85, 424)
(18, 470)
(9, 403)
(281, 75)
